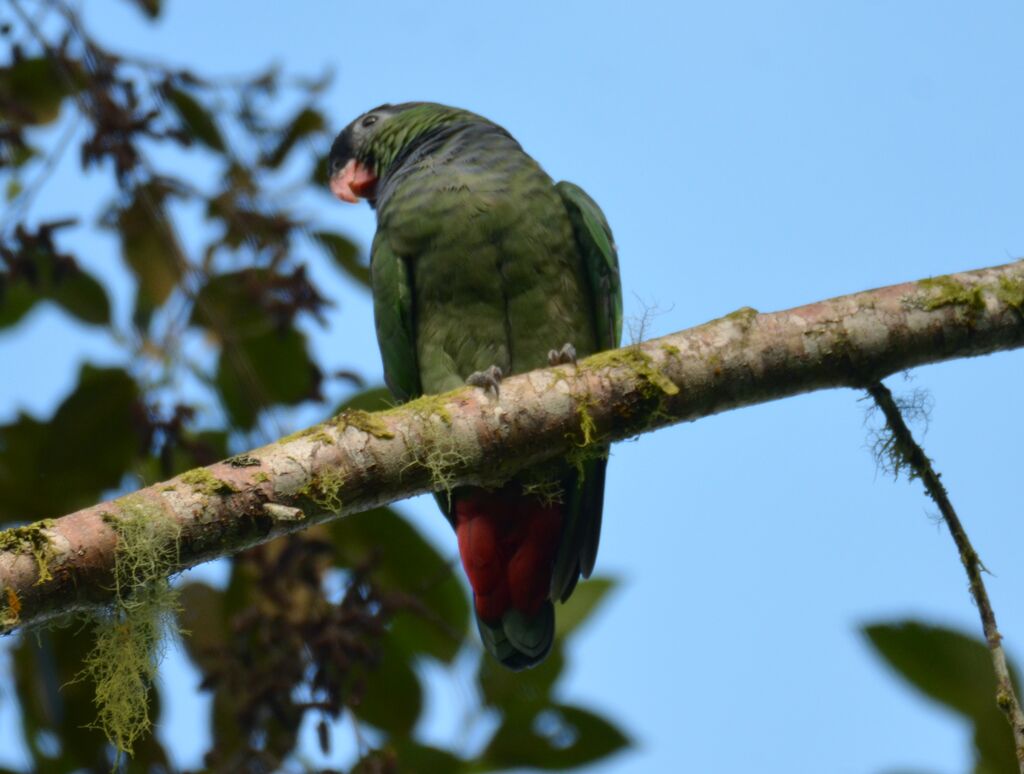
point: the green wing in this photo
(393, 314)
(594, 241)
(586, 497)
(396, 337)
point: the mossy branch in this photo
(903, 452)
(357, 460)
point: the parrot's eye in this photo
(369, 121)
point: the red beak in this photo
(354, 182)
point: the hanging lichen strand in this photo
(130, 633)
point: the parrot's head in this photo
(352, 162)
(365, 148)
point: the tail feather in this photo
(519, 641)
(508, 544)
(582, 531)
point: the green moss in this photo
(321, 436)
(260, 477)
(579, 456)
(368, 422)
(440, 456)
(589, 445)
(31, 539)
(427, 406)
(1011, 292)
(588, 428)
(560, 374)
(436, 451)
(548, 492)
(203, 481)
(243, 461)
(318, 430)
(671, 350)
(946, 291)
(637, 361)
(654, 385)
(744, 316)
(129, 636)
(324, 489)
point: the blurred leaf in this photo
(150, 247)
(95, 432)
(41, 667)
(149, 7)
(196, 119)
(16, 299)
(308, 121)
(191, 450)
(83, 297)
(393, 698)
(345, 255)
(31, 90)
(414, 758)
(227, 734)
(203, 623)
(228, 305)
(77, 292)
(946, 665)
(994, 745)
(252, 302)
(18, 154)
(407, 563)
(521, 692)
(246, 225)
(320, 176)
(555, 739)
(956, 670)
(264, 360)
(36, 271)
(255, 373)
(373, 399)
(587, 597)
(87, 446)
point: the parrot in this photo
(482, 267)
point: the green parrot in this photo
(482, 266)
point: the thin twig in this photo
(913, 456)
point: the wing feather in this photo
(596, 245)
(393, 313)
(600, 259)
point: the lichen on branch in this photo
(131, 631)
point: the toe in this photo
(564, 356)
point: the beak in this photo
(355, 181)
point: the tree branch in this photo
(359, 460)
(913, 457)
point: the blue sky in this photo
(745, 153)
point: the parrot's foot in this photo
(564, 356)
(489, 379)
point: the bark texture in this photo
(359, 460)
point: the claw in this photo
(489, 379)
(564, 356)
